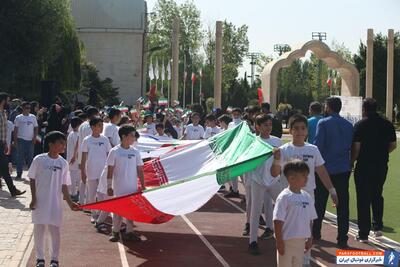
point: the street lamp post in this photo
(280, 49)
(253, 61)
(321, 36)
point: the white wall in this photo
(117, 55)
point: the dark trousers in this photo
(341, 183)
(369, 182)
(4, 172)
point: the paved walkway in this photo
(15, 224)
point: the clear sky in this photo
(293, 21)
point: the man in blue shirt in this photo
(315, 111)
(334, 140)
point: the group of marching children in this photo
(283, 186)
(98, 165)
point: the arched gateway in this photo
(348, 73)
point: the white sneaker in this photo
(378, 233)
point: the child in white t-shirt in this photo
(111, 129)
(49, 180)
(236, 118)
(224, 121)
(212, 129)
(149, 124)
(95, 149)
(74, 171)
(194, 131)
(261, 187)
(124, 165)
(294, 213)
(299, 149)
(161, 135)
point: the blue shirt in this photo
(312, 128)
(334, 139)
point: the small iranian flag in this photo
(162, 102)
(147, 104)
(123, 109)
(203, 166)
(179, 109)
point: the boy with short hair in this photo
(49, 180)
(211, 129)
(194, 131)
(124, 165)
(315, 111)
(25, 133)
(74, 171)
(236, 117)
(261, 187)
(95, 149)
(111, 129)
(149, 123)
(299, 149)
(224, 121)
(294, 213)
(160, 132)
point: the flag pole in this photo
(201, 78)
(191, 102)
(184, 80)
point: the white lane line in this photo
(122, 254)
(205, 241)
(242, 210)
(231, 203)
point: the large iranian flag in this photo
(187, 178)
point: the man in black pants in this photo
(4, 172)
(374, 138)
(334, 138)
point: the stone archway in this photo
(349, 74)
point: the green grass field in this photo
(391, 193)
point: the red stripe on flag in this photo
(134, 207)
(154, 174)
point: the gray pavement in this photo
(15, 224)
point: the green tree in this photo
(38, 42)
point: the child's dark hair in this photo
(83, 116)
(92, 111)
(95, 121)
(316, 107)
(195, 114)
(160, 125)
(51, 138)
(295, 166)
(225, 118)
(75, 122)
(237, 110)
(113, 112)
(124, 120)
(210, 117)
(260, 119)
(297, 118)
(127, 129)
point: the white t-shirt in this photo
(178, 131)
(234, 123)
(163, 137)
(194, 132)
(49, 174)
(125, 178)
(211, 132)
(71, 142)
(150, 128)
(10, 129)
(262, 174)
(309, 154)
(84, 131)
(296, 211)
(97, 149)
(110, 131)
(26, 125)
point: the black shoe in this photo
(232, 194)
(246, 230)
(253, 248)
(362, 239)
(262, 221)
(40, 263)
(114, 237)
(18, 193)
(342, 245)
(53, 263)
(221, 189)
(100, 227)
(268, 234)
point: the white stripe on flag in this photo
(183, 198)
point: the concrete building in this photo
(113, 33)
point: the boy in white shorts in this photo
(294, 213)
(299, 149)
(49, 180)
(95, 149)
(124, 165)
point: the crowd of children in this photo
(102, 162)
